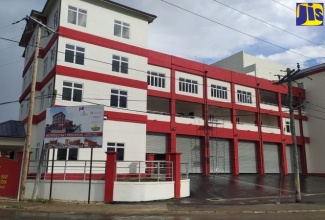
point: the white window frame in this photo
(124, 29)
(49, 93)
(45, 65)
(53, 56)
(188, 85)
(156, 79)
(244, 97)
(220, 92)
(73, 88)
(287, 126)
(78, 12)
(42, 99)
(123, 63)
(77, 51)
(67, 156)
(118, 94)
(114, 148)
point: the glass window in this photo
(119, 98)
(72, 91)
(74, 54)
(156, 79)
(244, 97)
(67, 154)
(188, 85)
(116, 147)
(121, 29)
(77, 16)
(219, 92)
(45, 66)
(120, 64)
(56, 19)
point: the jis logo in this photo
(309, 14)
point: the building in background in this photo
(220, 120)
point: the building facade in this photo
(220, 120)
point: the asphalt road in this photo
(29, 215)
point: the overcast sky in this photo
(193, 29)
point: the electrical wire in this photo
(284, 6)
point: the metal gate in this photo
(271, 158)
(290, 158)
(156, 143)
(190, 147)
(220, 156)
(247, 157)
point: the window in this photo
(156, 79)
(53, 56)
(244, 97)
(67, 154)
(21, 111)
(45, 66)
(42, 100)
(219, 92)
(119, 98)
(49, 94)
(120, 64)
(30, 75)
(188, 85)
(116, 147)
(77, 16)
(121, 29)
(25, 82)
(56, 19)
(74, 54)
(27, 105)
(288, 128)
(72, 91)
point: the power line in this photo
(234, 29)
(268, 24)
(284, 5)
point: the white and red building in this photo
(220, 120)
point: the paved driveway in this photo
(252, 189)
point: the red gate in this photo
(9, 176)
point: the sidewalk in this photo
(161, 207)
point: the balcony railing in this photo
(157, 112)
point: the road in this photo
(29, 215)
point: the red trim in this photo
(30, 61)
(126, 117)
(99, 77)
(45, 50)
(102, 42)
(160, 94)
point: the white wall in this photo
(68, 190)
(167, 73)
(199, 80)
(219, 83)
(99, 59)
(100, 21)
(246, 89)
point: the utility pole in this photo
(30, 116)
(289, 78)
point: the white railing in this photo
(157, 112)
(144, 171)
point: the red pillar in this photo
(283, 158)
(150, 164)
(173, 127)
(110, 174)
(176, 159)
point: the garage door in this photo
(190, 147)
(290, 158)
(271, 158)
(247, 157)
(156, 143)
(220, 156)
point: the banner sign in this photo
(74, 127)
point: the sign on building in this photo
(74, 127)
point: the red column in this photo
(260, 155)
(172, 138)
(150, 164)
(206, 147)
(176, 159)
(283, 158)
(110, 174)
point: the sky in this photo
(201, 30)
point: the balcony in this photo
(271, 129)
(268, 100)
(270, 124)
(246, 121)
(189, 113)
(247, 126)
(219, 117)
(269, 106)
(158, 109)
